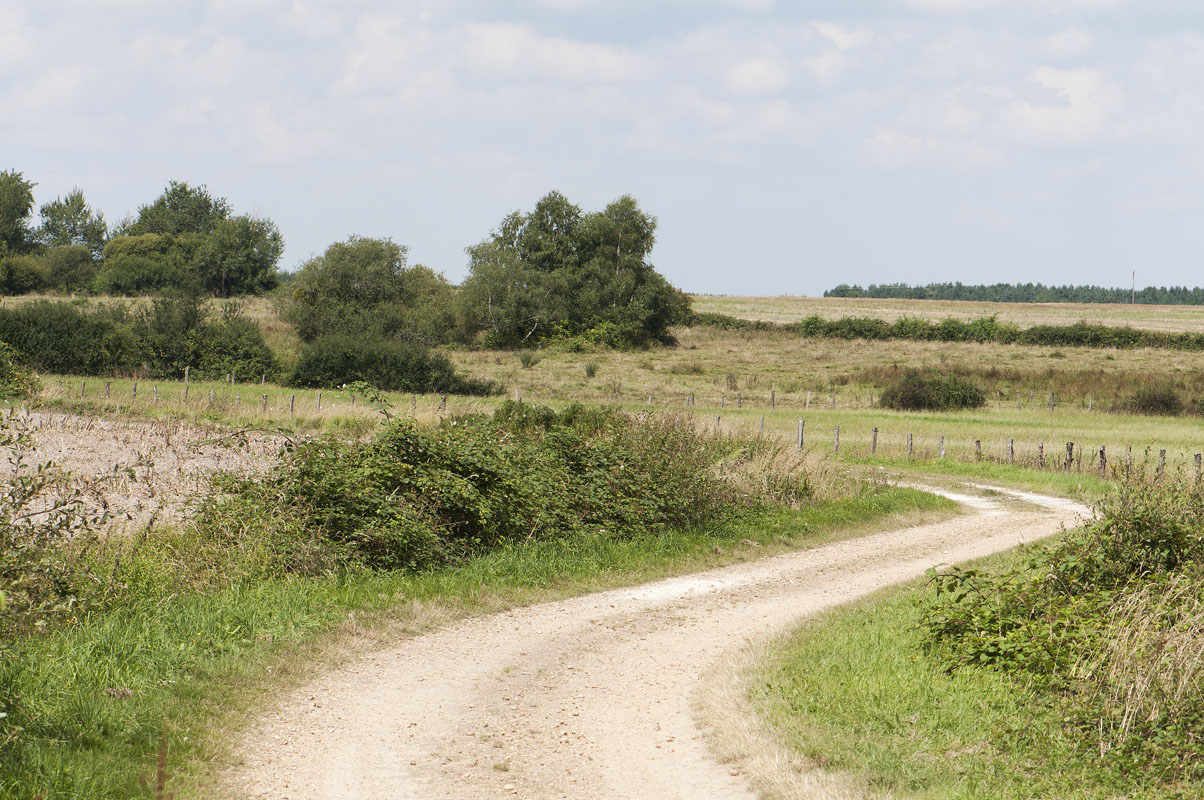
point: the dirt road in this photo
(589, 697)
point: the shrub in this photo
(1107, 621)
(70, 268)
(591, 369)
(389, 365)
(1161, 399)
(932, 391)
(528, 358)
(414, 497)
(63, 338)
(23, 274)
(16, 381)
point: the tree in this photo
(558, 272)
(16, 205)
(71, 221)
(363, 286)
(194, 244)
(180, 209)
(240, 257)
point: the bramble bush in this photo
(414, 497)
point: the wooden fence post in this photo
(319, 401)
(722, 400)
(836, 442)
(442, 404)
(264, 409)
(978, 449)
(874, 442)
(762, 429)
(739, 400)
(413, 405)
(1011, 451)
(82, 388)
(1128, 460)
(940, 447)
(773, 399)
(186, 391)
(155, 392)
(1103, 461)
(909, 445)
(210, 397)
(649, 399)
(1161, 462)
(1051, 401)
(801, 424)
(292, 402)
(1069, 454)
(107, 387)
(135, 390)
(186, 371)
(1090, 400)
(1041, 455)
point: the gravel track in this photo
(591, 697)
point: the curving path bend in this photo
(589, 697)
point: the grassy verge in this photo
(1064, 484)
(853, 693)
(103, 688)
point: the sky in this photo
(784, 147)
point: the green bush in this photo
(173, 334)
(23, 274)
(414, 497)
(388, 365)
(71, 268)
(1098, 621)
(17, 382)
(932, 391)
(1161, 399)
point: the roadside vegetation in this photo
(1083, 652)
(1025, 293)
(111, 642)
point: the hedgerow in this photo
(982, 330)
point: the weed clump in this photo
(932, 391)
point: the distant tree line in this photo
(1025, 293)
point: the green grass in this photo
(852, 692)
(194, 665)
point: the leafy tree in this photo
(363, 287)
(187, 239)
(180, 209)
(558, 272)
(71, 221)
(23, 274)
(71, 268)
(240, 257)
(16, 205)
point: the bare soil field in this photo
(599, 696)
(142, 472)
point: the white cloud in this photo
(1088, 100)
(757, 76)
(1069, 43)
(504, 50)
(892, 148)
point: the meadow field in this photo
(787, 308)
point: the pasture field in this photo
(791, 309)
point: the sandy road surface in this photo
(588, 697)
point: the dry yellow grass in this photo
(792, 309)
